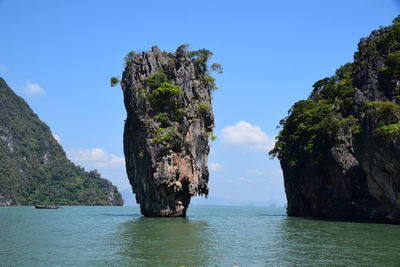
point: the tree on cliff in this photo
(169, 123)
(339, 149)
(34, 168)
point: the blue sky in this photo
(60, 55)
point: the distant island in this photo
(169, 122)
(33, 166)
(340, 148)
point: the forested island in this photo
(34, 167)
(340, 148)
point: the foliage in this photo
(209, 82)
(182, 49)
(396, 20)
(210, 135)
(161, 116)
(155, 80)
(201, 58)
(388, 116)
(216, 67)
(167, 93)
(306, 131)
(388, 111)
(164, 135)
(393, 63)
(141, 154)
(351, 121)
(129, 58)
(386, 42)
(179, 113)
(338, 88)
(203, 109)
(114, 81)
(389, 129)
(33, 166)
(165, 97)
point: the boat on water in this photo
(46, 207)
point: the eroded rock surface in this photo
(169, 121)
(340, 148)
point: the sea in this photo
(209, 236)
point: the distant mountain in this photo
(129, 198)
(220, 201)
(34, 167)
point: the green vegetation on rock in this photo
(393, 60)
(164, 135)
(210, 135)
(34, 168)
(167, 93)
(178, 114)
(339, 149)
(162, 116)
(209, 81)
(311, 125)
(155, 80)
(201, 58)
(387, 41)
(203, 109)
(129, 57)
(164, 98)
(216, 67)
(114, 81)
(388, 115)
(306, 130)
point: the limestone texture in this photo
(169, 122)
(340, 149)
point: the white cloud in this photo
(3, 68)
(239, 180)
(256, 172)
(215, 166)
(244, 179)
(247, 135)
(96, 158)
(33, 89)
(57, 137)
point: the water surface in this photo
(210, 236)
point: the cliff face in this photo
(33, 166)
(340, 149)
(169, 121)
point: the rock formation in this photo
(169, 121)
(33, 166)
(340, 148)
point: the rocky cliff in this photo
(340, 148)
(169, 122)
(33, 166)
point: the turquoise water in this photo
(210, 236)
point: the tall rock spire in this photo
(169, 123)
